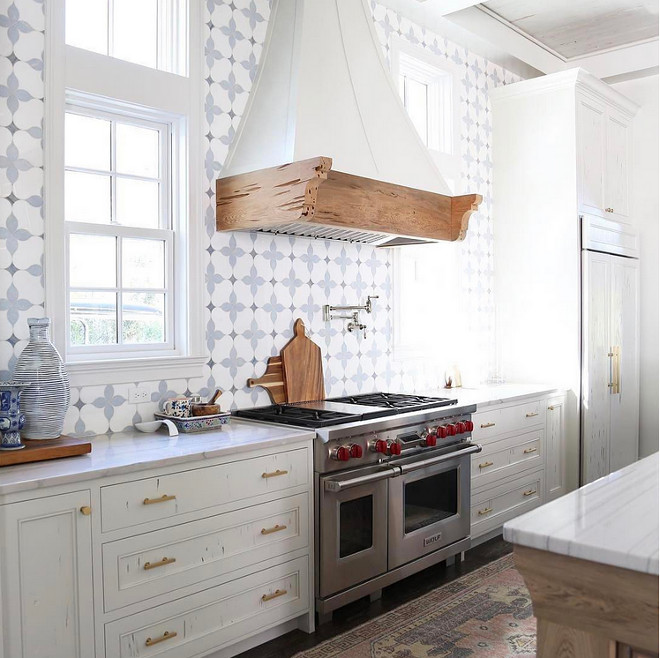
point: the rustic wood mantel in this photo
(310, 192)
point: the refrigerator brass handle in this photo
(167, 635)
(270, 531)
(616, 378)
(274, 595)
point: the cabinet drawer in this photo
(493, 506)
(133, 503)
(507, 457)
(495, 422)
(215, 617)
(138, 568)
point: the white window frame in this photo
(83, 76)
(442, 78)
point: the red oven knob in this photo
(469, 425)
(451, 429)
(380, 446)
(395, 448)
(341, 454)
(431, 440)
(460, 428)
(443, 432)
(355, 450)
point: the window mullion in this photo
(120, 295)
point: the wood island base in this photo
(587, 609)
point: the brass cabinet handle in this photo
(551, 408)
(484, 425)
(531, 492)
(616, 374)
(274, 474)
(270, 531)
(531, 415)
(609, 209)
(85, 510)
(163, 499)
(160, 563)
(528, 451)
(485, 511)
(274, 595)
(485, 464)
(167, 635)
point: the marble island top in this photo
(613, 520)
(131, 451)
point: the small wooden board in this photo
(302, 366)
(36, 451)
(272, 380)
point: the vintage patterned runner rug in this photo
(485, 614)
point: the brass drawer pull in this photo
(485, 511)
(160, 563)
(270, 531)
(85, 510)
(531, 415)
(531, 492)
(163, 499)
(551, 408)
(274, 474)
(485, 425)
(165, 636)
(485, 464)
(528, 451)
(274, 595)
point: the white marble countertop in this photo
(127, 452)
(613, 520)
(492, 394)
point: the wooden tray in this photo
(37, 451)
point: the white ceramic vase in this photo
(46, 400)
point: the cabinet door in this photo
(47, 578)
(617, 159)
(624, 339)
(595, 366)
(591, 120)
(555, 448)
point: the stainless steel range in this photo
(392, 477)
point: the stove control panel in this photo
(375, 446)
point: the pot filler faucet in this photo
(353, 316)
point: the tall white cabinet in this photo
(561, 161)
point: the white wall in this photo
(644, 92)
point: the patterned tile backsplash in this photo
(256, 284)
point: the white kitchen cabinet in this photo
(561, 158)
(46, 577)
(555, 448)
(610, 398)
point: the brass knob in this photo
(86, 510)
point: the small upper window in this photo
(138, 32)
(427, 94)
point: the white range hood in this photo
(324, 89)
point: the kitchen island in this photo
(590, 561)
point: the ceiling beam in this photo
(630, 61)
(490, 29)
(444, 7)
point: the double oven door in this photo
(377, 518)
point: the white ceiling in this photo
(578, 28)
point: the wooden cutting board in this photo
(302, 367)
(37, 451)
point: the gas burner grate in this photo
(299, 416)
(398, 401)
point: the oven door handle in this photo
(336, 486)
(469, 448)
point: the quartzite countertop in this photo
(611, 521)
(493, 394)
(127, 452)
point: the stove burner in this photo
(299, 416)
(397, 401)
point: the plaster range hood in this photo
(325, 148)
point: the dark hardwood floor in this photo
(363, 610)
